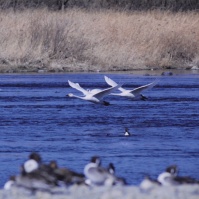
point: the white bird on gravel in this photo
(95, 95)
(32, 163)
(170, 177)
(10, 183)
(97, 175)
(148, 184)
(132, 94)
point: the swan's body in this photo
(95, 95)
(31, 165)
(10, 183)
(97, 175)
(170, 177)
(148, 184)
(135, 93)
(166, 179)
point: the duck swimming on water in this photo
(126, 133)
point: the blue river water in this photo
(36, 115)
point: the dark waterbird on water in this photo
(126, 133)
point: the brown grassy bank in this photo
(76, 40)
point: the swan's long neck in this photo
(162, 178)
(88, 166)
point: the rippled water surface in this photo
(37, 116)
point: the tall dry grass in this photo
(103, 40)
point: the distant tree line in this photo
(173, 5)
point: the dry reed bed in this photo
(77, 40)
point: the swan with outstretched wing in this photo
(95, 95)
(135, 93)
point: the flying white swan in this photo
(84, 91)
(135, 93)
(95, 95)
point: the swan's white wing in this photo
(78, 87)
(95, 91)
(112, 83)
(97, 174)
(140, 89)
(103, 93)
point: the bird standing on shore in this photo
(97, 175)
(66, 175)
(148, 184)
(170, 177)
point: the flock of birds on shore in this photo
(97, 95)
(36, 175)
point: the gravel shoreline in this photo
(156, 72)
(115, 192)
(57, 67)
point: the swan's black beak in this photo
(106, 103)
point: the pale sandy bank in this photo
(121, 192)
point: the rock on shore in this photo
(116, 192)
